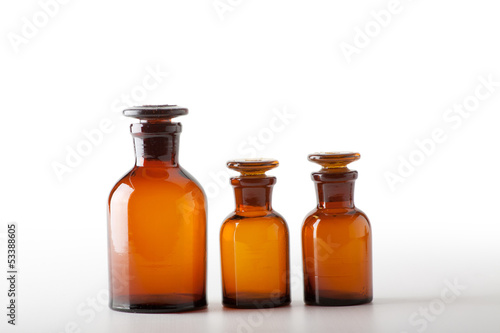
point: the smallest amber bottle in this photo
(254, 242)
(336, 237)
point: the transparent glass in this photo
(157, 223)
(254, 242)
(336, 238)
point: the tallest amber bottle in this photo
(157, 222)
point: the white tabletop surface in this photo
(467, 314)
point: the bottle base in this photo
(255, 302)
(326, 301)
(157, 304)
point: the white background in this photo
(234, 68)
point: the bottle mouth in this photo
(155, 129)
(333, 177)
(253, 181)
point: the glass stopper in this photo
(334, 160)
(252, 167)
(155, 112)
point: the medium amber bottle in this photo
(157, 222)
(254, 242)
(336, 238)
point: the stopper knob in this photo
(155, 112)
(334, 160)
(252, 167)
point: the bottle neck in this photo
(156, 144)
(335, 195)
(253, 194)
(335, 190)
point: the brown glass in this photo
(336, 238)
(254, 242)
(157, 223)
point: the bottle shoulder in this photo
(269, 217)
(150, 181)
(184, 173)
(334, 215)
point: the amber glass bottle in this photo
(157, 222)
(254, 242)
(336, 238)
